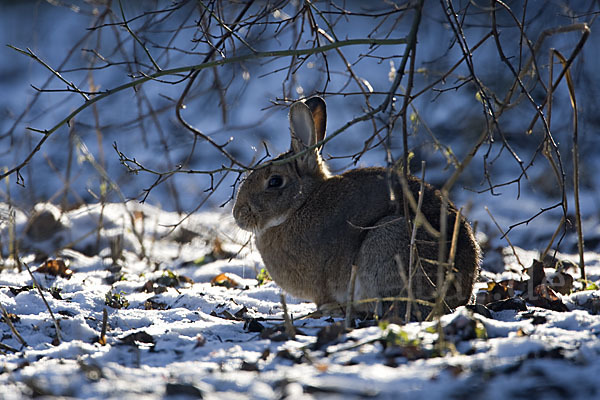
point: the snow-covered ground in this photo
(175, 326)
(171, 332)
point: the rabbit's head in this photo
(275, 189)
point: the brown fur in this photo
(313, 227)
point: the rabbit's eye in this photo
(275, 181)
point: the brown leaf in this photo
(249, 366)
(138, 337)
(454, 370)
(592, 305)
(321, 367)
(224, 280)
(185, 279)
(55, 267)
(514, 303)
(12, 317)
(330, 333)
(148, 287)
(252, 325)
(241, 313)
(155, 305)
(15, 291)
(536, 273)
(183, 390)
(225, 314)
(218, 252)
(200, 341)
(545, 297)
(497, 291)
(561, 282)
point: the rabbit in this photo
(311, 227)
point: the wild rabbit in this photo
(311, 226)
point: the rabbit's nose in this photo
(239, 211)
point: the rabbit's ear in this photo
(319, 113)
(304, 135)
(302, 127)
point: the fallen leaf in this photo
(200, 341)
(287, 355)
(217, 253)
(16, 291)
(329, 334)
(545, 297)
(514, 303)
(155, 305)
(12, 317)
(592, 305)
(136, 338)
(321, 367)
(55, 267)
(464, 327)
(225, 314)
(252, 325)
(249, 366)
(275, 334)
(186, 390)
(535, 319)
(561, 282)
(116, 300)
(171, 279)
(479, 309)
(454, 370)
(148, 287)
(224, 280)
(536, 273)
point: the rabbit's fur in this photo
(311, 227)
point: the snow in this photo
(194, 338)
(190, 347)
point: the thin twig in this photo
(413, 251)
(174, 71)
(136, 38)
(505, 236)
(289, 326)
(102, 337)
(350, 295)
(579, 228)
(39, 289)
(14, 331)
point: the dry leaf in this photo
(561, 282)
(137, 338)
(55, 267)
(545, 297)
(155, 305)
(200, 341)
(224, 280)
